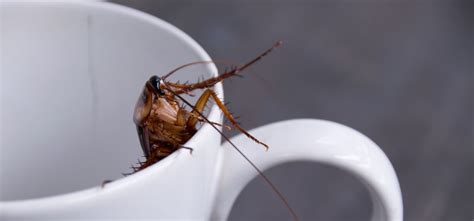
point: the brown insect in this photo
(164, 125)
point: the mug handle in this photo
(309, 140)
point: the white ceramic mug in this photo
(71, 73)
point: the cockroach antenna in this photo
(267, 180)
(194, 63)
(159, 98)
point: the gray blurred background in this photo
(398, 71)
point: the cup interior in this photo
(70, 76)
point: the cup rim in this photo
(124, 182)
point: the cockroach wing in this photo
(140, 115)
(143, 107)
(144, 140)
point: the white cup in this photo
(70, 76)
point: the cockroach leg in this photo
(235, 71)
(195, 63)
(188, 148)
(181, 117)
(217, 124)
(200, 105)
(105, 182)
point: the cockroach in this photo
(164, 125)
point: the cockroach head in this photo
(155, 82)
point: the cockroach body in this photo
(164, 125)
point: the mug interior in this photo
(70, 76)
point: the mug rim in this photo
(156, 167)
